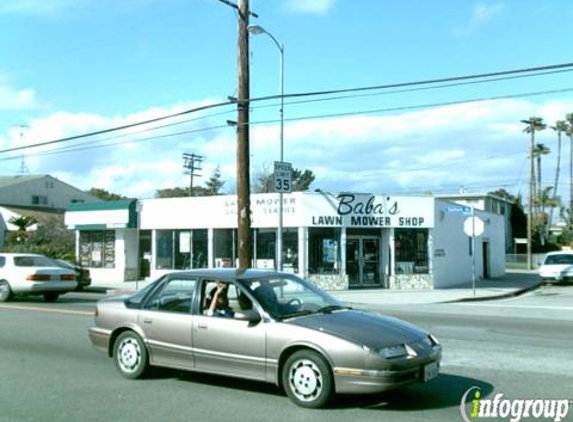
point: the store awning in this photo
(102, 215)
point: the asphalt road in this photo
(49, 371)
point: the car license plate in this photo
(431, 371)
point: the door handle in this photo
(147, 321)
(202, 325)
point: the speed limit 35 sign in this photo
(283, 177)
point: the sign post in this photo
(283, 184)
(473, 226)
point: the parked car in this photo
(276, 328)
(82, 274)
(557, 267)
(31, 274)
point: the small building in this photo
(41, 196)
(338, 241)
(40, 191)
(491, 203)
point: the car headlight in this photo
(400, 351)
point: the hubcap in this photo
(129, 355)
(4, 290)
(305, 380)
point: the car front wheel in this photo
(130, 355)
(5, 291)
(307, 379)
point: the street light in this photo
(256, 30)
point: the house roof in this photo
(6, 181)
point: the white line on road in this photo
(55, 311)
(494, 305)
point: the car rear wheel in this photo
(51, 297)
(5, 291)
(130, 355)
(307, 379)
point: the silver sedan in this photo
(266, 326)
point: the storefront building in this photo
(336, 240)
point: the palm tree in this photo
(23, 223)
(560, 127)
(534, 124)
(538, 151)
(569, 120)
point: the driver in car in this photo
(219, 305)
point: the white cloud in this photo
(479, 145)
(313, 7)
(12, 99)
(482, 15)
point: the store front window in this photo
(266, 249)
(181, 249)
(225, 248)
(290, 250)
(324, 250)
(97, 249)
(411, 247)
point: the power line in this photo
(300, 95)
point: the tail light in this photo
(68, 277)
(39, 277)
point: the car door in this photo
(167, 323)
(226, 345)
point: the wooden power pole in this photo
(243, 161)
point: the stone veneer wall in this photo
(411, 282)
(330, 281)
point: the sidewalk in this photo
(513, 283)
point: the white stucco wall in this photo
(452, 261)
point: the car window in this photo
(33, 261)
(559, 259)
(237, 300)
(176, 295)
(2, 261)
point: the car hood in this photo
(365, 328)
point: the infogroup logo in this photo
(512, 409)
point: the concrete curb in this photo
(508, 295)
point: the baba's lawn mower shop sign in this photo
(357, 210)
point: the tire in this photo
(51, 297)
(5, 291)
(307, 379)
(130, 355)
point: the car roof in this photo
(12, 254)
(228, 273)
(560, 253)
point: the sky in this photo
(72, 67)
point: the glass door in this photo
(363, 260)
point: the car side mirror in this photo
(249, 315)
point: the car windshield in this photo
(33, 261)
(559, 259)
(287, 296)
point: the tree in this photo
(23, 223)
(105, 195)
(263, 181)
(560, 127)
(172, 193)
(302, 179)
(215, 184)
(52, 238)
(534, 124)
(569, 120)
(538, 152)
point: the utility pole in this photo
(243, 160)
(23, 167)
(192, 163)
